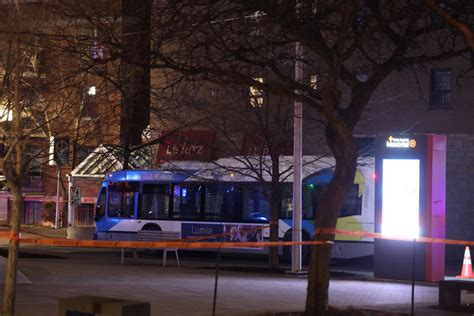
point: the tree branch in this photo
(463, 27)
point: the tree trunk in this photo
(343, 147)
(275, 205)
(13, 249)
(63, 189)
(13, 168)
(275, 201)
(135, 74)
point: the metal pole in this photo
(70, 212)
(413, 280)
(216, 279)
(297, 174)
(56, 217)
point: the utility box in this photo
(102, 306)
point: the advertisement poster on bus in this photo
(199, 231)
(224, 232)
(242, 233)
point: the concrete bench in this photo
(96, 305)
(156, 235)
(450, 291)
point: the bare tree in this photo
(39, 100)
(255, 133)
(350, 46)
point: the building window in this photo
(85, 215)
(97, 51)
(256, 94)
(89, 103)
(92, 90)
(313, 82)
(440, 97)
(33, 213)
(33, 182)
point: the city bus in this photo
(205, 202)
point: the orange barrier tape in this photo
(381, 236)
(14, 236)
(6, 234)
(162, 244)
(9, 235)
(194, 244)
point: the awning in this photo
(108, 158)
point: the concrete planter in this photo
(80, 232)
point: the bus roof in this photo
(232, 170)
(147, 175)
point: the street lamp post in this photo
(297, 174)
(70, 207)
(58, 178)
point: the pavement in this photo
(244, 288)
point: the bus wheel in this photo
(306, 250)
(152, 227)
(152, 252)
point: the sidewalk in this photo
(189, 290)
(49, 232)
(40, 231)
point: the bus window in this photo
(256, 207)
(353, 202)
(100, 208)
(154, 202)
(187, 201)
(223, 202)
(122, 199)
(311, 195)
(286, 210)
(213, 202)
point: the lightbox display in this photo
(401, 197)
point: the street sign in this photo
(75, 196)
(61, 151)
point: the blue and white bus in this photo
(217, 202)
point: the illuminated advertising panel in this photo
(401, 197)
